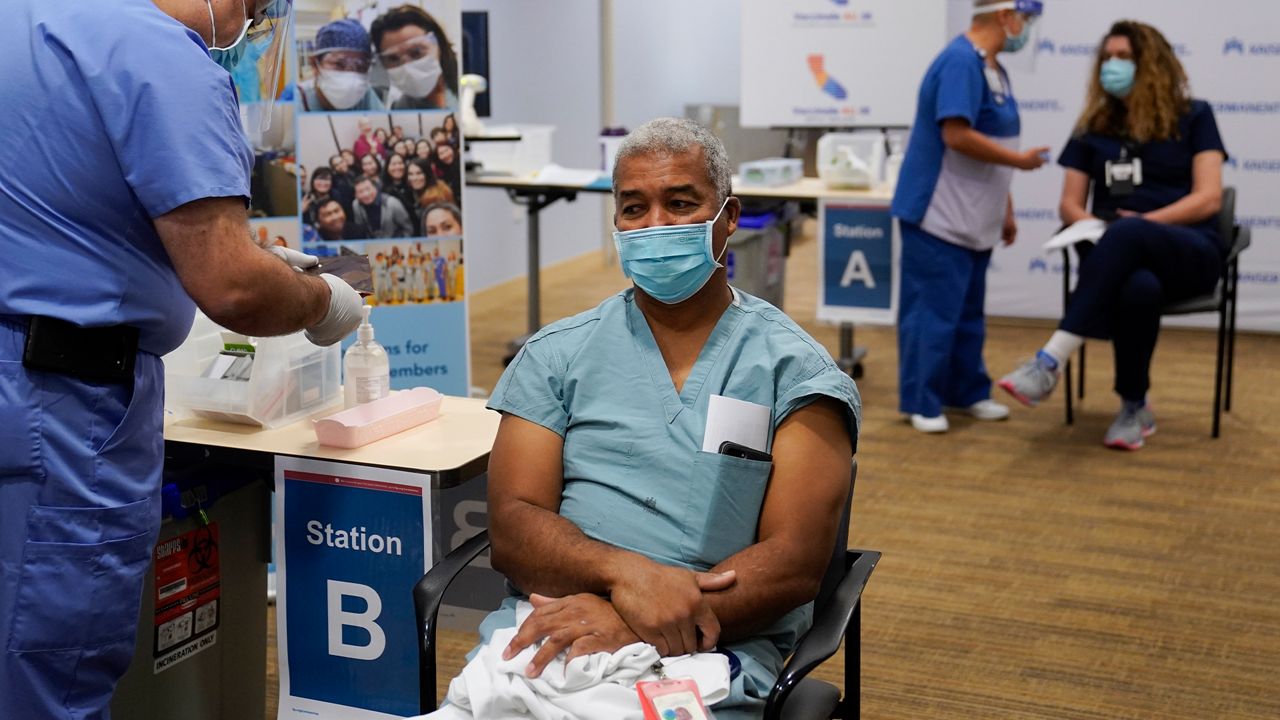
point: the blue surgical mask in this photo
(227, 56)
(670, 263)
(1014, 43)
(1117, 77)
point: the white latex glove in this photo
(299, 260)
(344, 313)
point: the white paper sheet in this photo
(1089, 229)
(739, 421)
(555, 175)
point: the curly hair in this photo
(1160, 96)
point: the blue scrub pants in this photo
(941, 326)
(80, 466)
(1138, 267)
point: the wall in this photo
(671, 52)
(545, 66)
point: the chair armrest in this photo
(1244, 237)
(427, 596)
(830, 624)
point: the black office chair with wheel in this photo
(1221, 301)
(836, 617)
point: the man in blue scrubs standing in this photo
(123, 207)
(953, 205)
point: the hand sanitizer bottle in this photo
(366, 370)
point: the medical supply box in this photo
(770, 172)
(521, 158)
(288, 379)
(851, 160)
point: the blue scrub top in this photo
(635, 476)
(956, 86)
(113, 114)
(1166, 164)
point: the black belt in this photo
(99, 354)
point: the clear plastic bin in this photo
(770, 172)
(525, 156)
(291, 379)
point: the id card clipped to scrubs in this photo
(671, 699)
(1124, 174)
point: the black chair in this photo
(1222, 301)
(836, 617)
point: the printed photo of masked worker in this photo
(338, 61)
(420, 61)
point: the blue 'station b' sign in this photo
(859, 264)
(354, 543)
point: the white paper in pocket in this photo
(739, 421)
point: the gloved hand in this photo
(299, 260)
(344, 313)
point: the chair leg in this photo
(1231, 333)
(1082, 349)
(1218, 378)
(1066, 376)
(850, 707)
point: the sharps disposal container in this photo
(200, 652)
(756, 257)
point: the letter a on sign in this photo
(858, 269)
(339, 618)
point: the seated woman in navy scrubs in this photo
(1154, 158)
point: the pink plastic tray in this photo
(366, 423)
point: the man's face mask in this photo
(413, 66)
(228, 56)
(670, 263)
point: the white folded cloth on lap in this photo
(595, 686)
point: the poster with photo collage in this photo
(365, 156)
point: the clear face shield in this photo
(257, 59)
(269, 36)
(1020, 50)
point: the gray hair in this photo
(674, 136)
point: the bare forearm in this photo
(974, 144)
(269, 298)
(771, 582)
(1192, 209)
(1072, 213)
(542, 552)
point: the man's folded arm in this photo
(537, 549)
(812, 461)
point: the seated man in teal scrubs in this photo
(600, 494)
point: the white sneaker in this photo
(988, 410)
(924, 424)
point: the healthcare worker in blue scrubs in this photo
(953, 206)
(124, 207)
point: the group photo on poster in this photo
(380, 176)
(417, 272)
(381, 56)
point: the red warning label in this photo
(188, 584)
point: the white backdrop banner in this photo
(835, 62)
(1231, 50)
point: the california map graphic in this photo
(828, 84)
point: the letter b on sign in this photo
(339, 618)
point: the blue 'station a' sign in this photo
(859, 274)
(353, 547)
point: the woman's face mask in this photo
(1117, 77)
(670, 263)
(413, 66)
(341, 88)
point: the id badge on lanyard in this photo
(995, 82)
(1124, 175)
